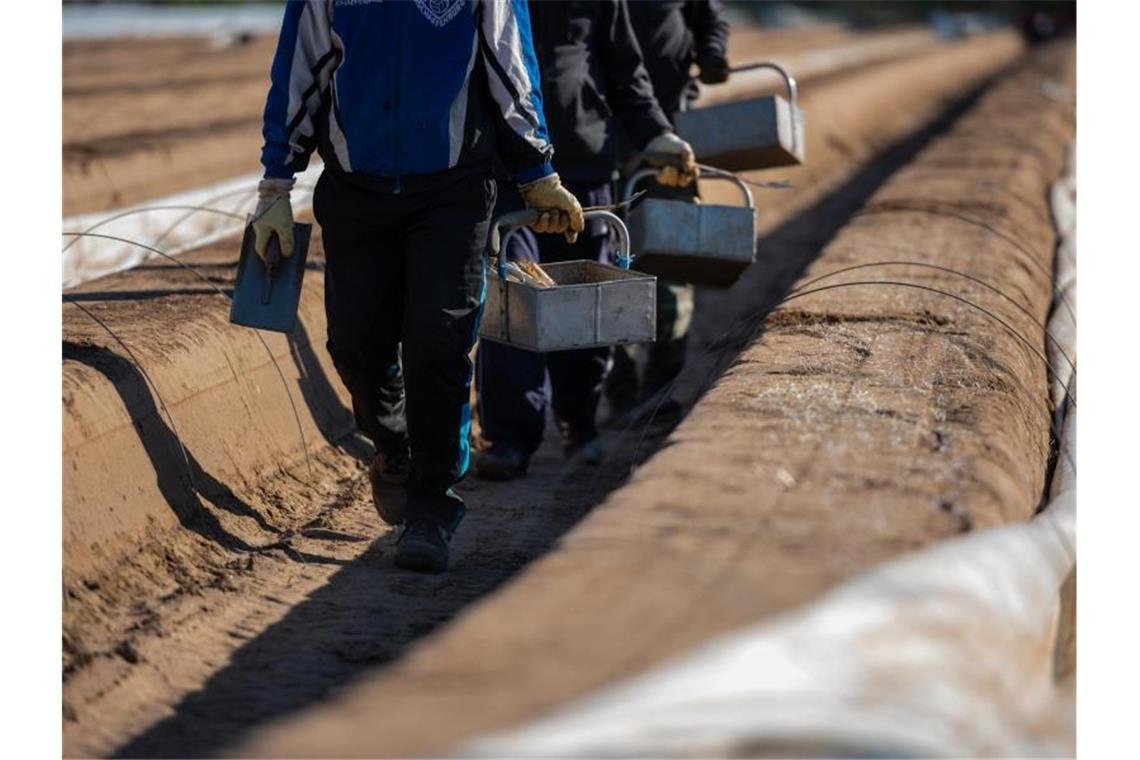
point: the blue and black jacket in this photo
(673, 34)
(595, 85)
(406, 88)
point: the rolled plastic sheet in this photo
(173, 224)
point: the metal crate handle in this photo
(707, 172)
(518, 219)
(789, 82)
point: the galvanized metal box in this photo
(759, 133)
(703, 244)
(746, 135)
(593, 305)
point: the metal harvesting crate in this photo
(700, 243)
(592, 305)
(759, 133)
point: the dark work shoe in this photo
(423, 547)
(620, 417)
(501, 461)
(621, 407)
(590, 451)
(621, 390)
(388, 473)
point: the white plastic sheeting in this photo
(164, 19)
(947, 652)
(169, 224)
(944, 653)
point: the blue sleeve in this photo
(285, 150)
(516, 86)
(533, 83)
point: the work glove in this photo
(559, 210)
(714, 68)
(671, 175)
(273, 216)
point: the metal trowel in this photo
(266, 293)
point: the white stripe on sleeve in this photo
(501, 32)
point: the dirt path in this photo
(187, 648)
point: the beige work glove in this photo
(674, 176)
(273, 216)
(559, 210)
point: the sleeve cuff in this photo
(534, 173)
(278, 172)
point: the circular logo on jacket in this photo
(440, 12)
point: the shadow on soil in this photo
(329, 640)
(311, 265)
(180, 480)
(333, 419)
(323, 643)
(139, 295)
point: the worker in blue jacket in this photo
(408, 103)
(596, 89)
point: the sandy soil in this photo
(279, 592)
(190, 115)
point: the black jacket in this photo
(672, 34)
(592, 76)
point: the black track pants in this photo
(404, 279)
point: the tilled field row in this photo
(861, 424)
(192, 114)
(215, 582)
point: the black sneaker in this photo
(621, 391)
(621, 408)
(589, 451)
(388, 473)
(501, 461)
(423, 546)
(659, 415)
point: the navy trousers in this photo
(516, 386)
(404, 287)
